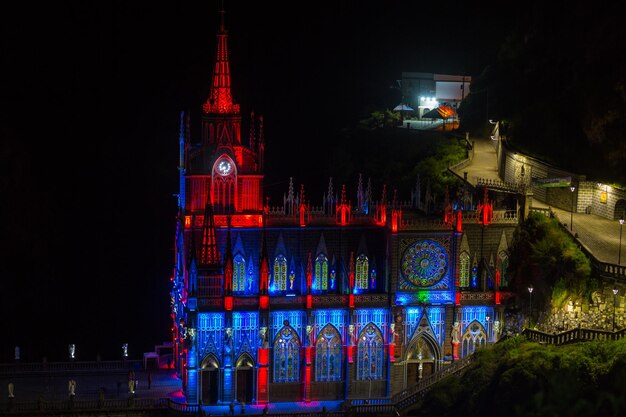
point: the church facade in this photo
(347, 300)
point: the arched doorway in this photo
(422, 358)
(474, 338)
(245, 378)
(209, 380)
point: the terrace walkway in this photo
(597, 236)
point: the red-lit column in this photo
(262, 387)
(310, 333)
(351, 282)
(262, 376)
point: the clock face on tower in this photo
(224, 167)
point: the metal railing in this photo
(411, 395)
(572, 336)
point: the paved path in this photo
(28, 387)
(484, 164)
(599, 235)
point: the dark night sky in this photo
(90, 99)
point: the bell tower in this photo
(231, 167)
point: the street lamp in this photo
(615, 291)
(571, 218)
(530, 304)
(619, 252)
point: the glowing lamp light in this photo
(187, 222)
(125, 350)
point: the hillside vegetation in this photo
(521, 378)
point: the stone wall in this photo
(589, 197)
(597, 314)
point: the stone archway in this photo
(245, 378)
(209, 380)
(422, 358)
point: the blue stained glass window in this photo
(279, 281)
(250, 282)
(286, 356)
(362, 266)
(321, 273)
(370, 354)
(474, 282)
(239, 274)
(328, 355)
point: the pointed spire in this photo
(329, 196)
(252, 132)
(208, 250)
(303, 208)
(221, 100)
(290, 197)
(368, 196)
(181, 137)
(261, 144)
(418, 192)
(309, 273)
(360, 197)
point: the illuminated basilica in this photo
(345, 300)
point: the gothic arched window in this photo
(474, 275)
(328, 355)
(279, 281)
(370, 349)
(474, 338)
(286, 356)
(321, 273)
(239, 274)
(362, 266)
(464, 271)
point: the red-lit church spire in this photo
(221, 100)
